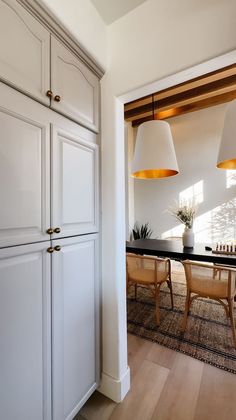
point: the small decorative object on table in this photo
(186, 214)
(225, 248)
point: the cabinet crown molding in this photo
(46, 17)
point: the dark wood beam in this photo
(183, 96)
(194, 106)
(221, 73)
(207, 90)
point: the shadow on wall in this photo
(217, 224)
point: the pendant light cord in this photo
(153, 106)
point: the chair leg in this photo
(157, 295)
(135, 290)
(169, 282)
(186, 312)
(231, 315)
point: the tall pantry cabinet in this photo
(49, 217)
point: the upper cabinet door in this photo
(24, 51)
(75, 88)
(24, 169)
(74, 184)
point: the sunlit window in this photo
(192, 195)
(230, 178)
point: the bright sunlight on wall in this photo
(212, 226)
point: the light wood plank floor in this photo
(166, 385)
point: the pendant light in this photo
(154, 155)
(227, 152)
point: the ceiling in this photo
(202, 92)
(111, 10)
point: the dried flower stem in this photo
(185, 214)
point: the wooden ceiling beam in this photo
(189, 94)
(188, 101)
(220, 84)
(183, 109)
(197, 81)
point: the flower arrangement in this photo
(185, 214)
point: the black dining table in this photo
(174, 249)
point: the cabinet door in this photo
(24, 169)
(75, 324)
(25, 333)
(75, 84)
(24, 51)
(74, 184)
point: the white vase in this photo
(188, 238)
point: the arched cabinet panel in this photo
(75, 88)
(24, 51)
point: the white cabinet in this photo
(75, 328)
(48, 197)
(25, 363)
(26, 306)
(25, 328)
(29, 153)
(35, 62)
(31, 203)
(24, 169)
(24, 51)
(74, 184)
(75, 88)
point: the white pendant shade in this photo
(154, 155)
(227, 153)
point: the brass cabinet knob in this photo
(50, 250)
(49, 94)
(50, 231)
(57, 230)
(57, 248)
(57, 98)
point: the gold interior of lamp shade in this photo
(154, 173)
(227, 164)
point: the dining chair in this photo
(149, 272)
(205, 281)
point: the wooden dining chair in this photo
(205, 281)
(149, 272)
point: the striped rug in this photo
(208, 333)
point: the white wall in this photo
(196, 138)
(85, 23)
(162, 37)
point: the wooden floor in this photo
(166, 385)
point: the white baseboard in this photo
(115, 389)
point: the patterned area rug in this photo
(208, 334)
